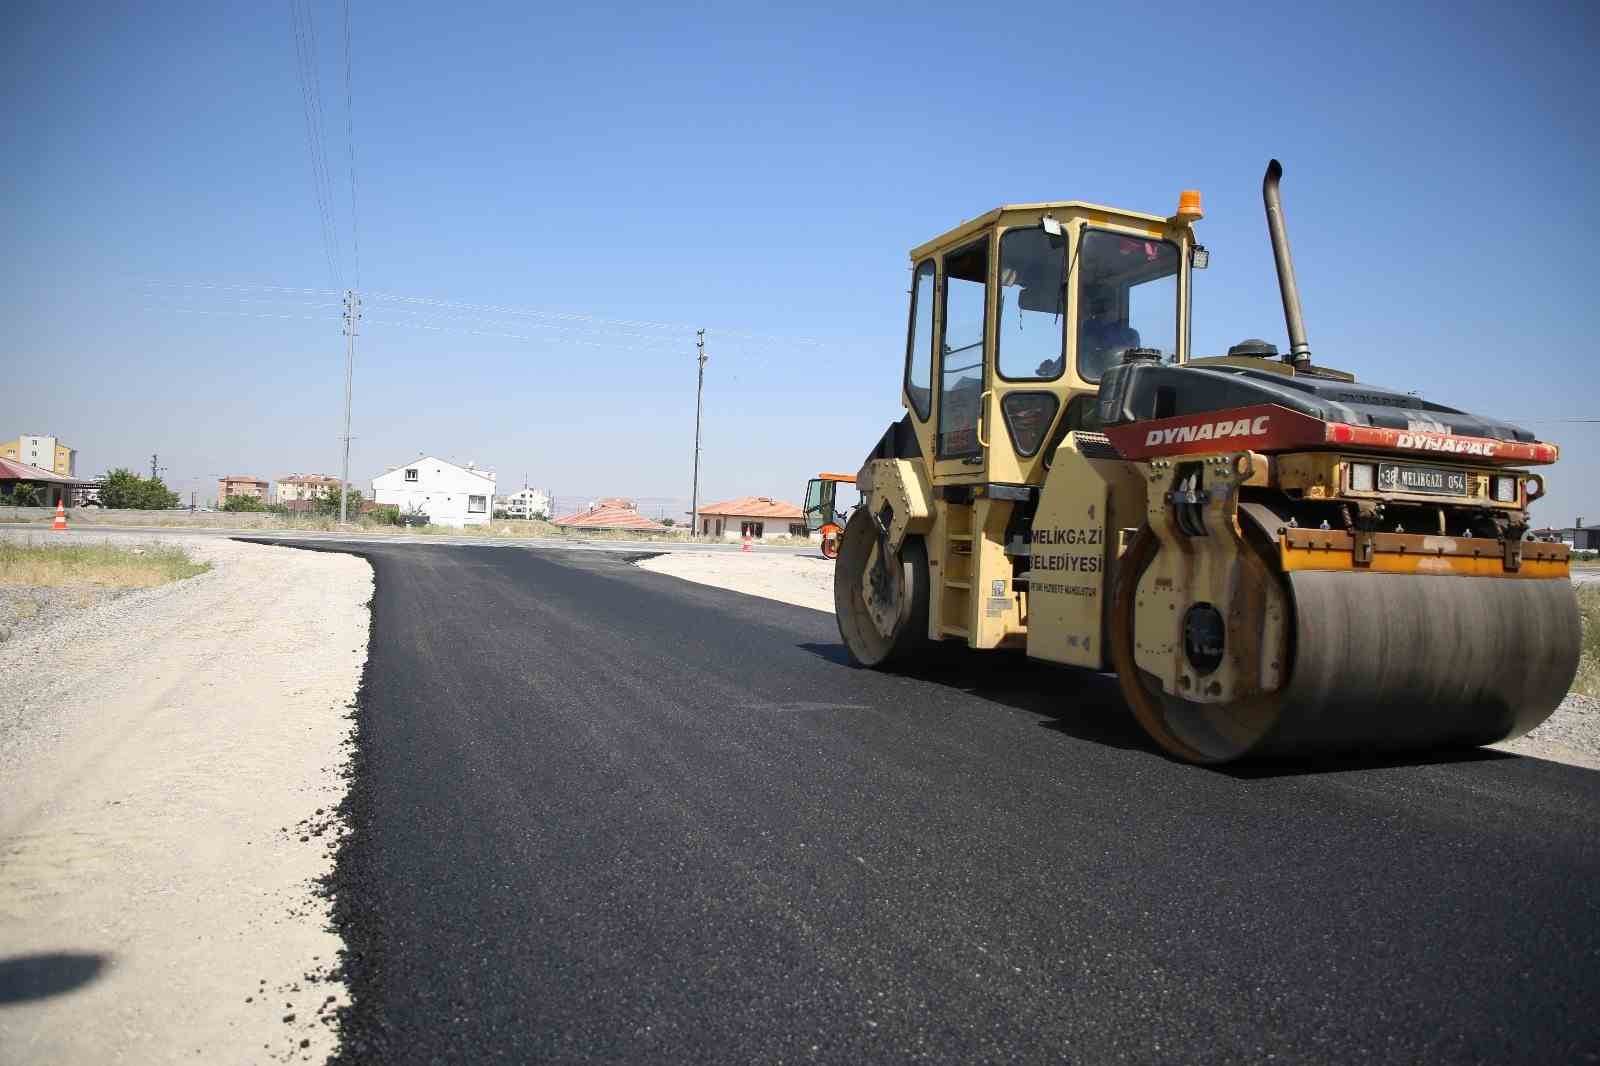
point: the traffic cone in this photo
(746, 541)
(60, 524)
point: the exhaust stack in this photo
(1299, 348)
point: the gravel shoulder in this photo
(801, 580)
(170, 760)
(1571, 735)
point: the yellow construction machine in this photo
(1275, 558)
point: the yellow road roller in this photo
(1276, 559)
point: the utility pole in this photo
(699, 395)
(153, 458)
(352, 315)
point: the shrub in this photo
(242, 503)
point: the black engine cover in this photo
(1139, 391)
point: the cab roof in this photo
(984, 221)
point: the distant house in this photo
(613, 512)
(1580, 537)
(759, 517)
(295, 487)
(235, 486)
(450, 495)
(524, 504)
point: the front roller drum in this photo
(1379, 663)
(880, 596)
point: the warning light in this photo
(1189, 206)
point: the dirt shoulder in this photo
(805, 581)
(169, 766)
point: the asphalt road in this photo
(601, 815)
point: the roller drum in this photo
(1377, 662)
(1406, 662)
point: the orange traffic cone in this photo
(60, 524)
(746, 540)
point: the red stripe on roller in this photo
(1271, 428)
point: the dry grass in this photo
(1588, 680)
(34, 565)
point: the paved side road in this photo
(603, 815)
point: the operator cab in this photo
(1015, 316)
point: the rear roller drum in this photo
(1378, 663)
(830, 540)
(880, 597)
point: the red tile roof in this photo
(11, 470)
(753, 507)
(611, 518)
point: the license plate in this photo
(1393, 477)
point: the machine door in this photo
(1031, 317)
(963, 418)
(820, 496)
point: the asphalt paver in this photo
(601, 815)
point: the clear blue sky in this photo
(761, 172)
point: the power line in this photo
(437, 315)
(238, 314)
(322, 139)
(350, 140)
(220, 286)
(575, 316)
(307, 59)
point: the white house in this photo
(524, 504)
(448, 494)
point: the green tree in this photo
(243, 503)
(123, 489)
(25, 494)
(328, 502)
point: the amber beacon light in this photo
(1189, 206)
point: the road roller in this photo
(1276, 559)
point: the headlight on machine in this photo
(1363, 477)
(1503, 488)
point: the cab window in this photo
(1033, 305)
(961, 355)
(1127, 298)
(919, 342)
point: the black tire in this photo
(866, 642)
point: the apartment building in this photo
(293, 488)
(46, 453)
(236, 485)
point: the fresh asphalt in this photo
(598, 814)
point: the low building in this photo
(449, 494)
(612, 513)
(50, 487)
(295, 487)
(524, 504)
(758, 517)
(235, 486)
(43, 453)
(1580, 537)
